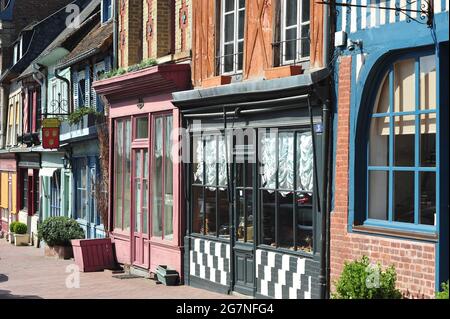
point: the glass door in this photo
(140, 207)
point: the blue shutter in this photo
(93, 93)
(108, 64)
(75, 90)
(87, 83)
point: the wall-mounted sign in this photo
(50, 133)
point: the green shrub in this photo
(11, 226)
(444, 293)
(362, 280)
(59, 231)
(77, 116)
(20, 228)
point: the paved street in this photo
(26, 273)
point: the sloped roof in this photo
(96, 40)
(85, 17)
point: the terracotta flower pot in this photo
(60, 252)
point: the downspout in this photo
(69, 90)
(325, 249)
(115, 35)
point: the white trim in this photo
(47, 171)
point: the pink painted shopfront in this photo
(145, 176)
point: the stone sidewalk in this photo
(26, 273)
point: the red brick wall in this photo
(414, 261)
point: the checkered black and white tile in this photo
(210, 261)
(283, 276)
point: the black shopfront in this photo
(253, 174)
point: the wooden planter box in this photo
(93, 254)
(216, 81)
(21, 240)
(283, 71)
(60, 252)
(166, 276)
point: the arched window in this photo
(402, 162)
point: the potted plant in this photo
(21, 238)
(57, 233)
(11, 232)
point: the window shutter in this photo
(93, 93)
(87, 83)
(107, 64)
(75, 90)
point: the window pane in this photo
(428, 198)
(404, 86)
(241, 24)
(229, 27)
(286, 220)
(286, 161)
(241, 4)
(197, 210)
(127, 182)
(304, 225)
(229, 5)
(240, 229)
(197, 162)
(428, 82)
(404, 141)
(210, 202)
(378, 195)
(168, 184)
(118, 170)
(291, 12)
(223, 214)
(291, 45)
(305, 10)
(240, 55)
(142, 127)
(379, 142)
(383, 98)
(428, 140)
(222, 161)
(249, 216)
(211, 160)
(145, 207)
(248, 174)
(229, 58)
(268, 160)
(157, 179)
(137, 191)
(404, 197)
(305, 162)
(268, 218)
(305, 41)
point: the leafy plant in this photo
(444, 293)
(59, 231)
(11, 226)
(362, 280)
(77, 116)
(132, 68)
(20, 228)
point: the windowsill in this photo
(216, 81)
(283, 71)
(401, 234)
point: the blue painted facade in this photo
(386, 38)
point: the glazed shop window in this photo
(286, 190)
(402, 145)
(122, 174)
(232, 36)
(162, 187)
(209, 188)
(25, 190)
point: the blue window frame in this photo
(403, 147)
(81, 188)
(55, 194)
(106, 10)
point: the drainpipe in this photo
(115, 35)
(69, 90)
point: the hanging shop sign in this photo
(50, 133)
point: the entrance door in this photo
(243, 220)
(140, 208)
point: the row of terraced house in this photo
(254, 146)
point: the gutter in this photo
(115, 35)
(78, 58)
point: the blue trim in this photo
(400, 226)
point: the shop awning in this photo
(47, 171)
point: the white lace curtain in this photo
(285, 165)
(207, 155)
